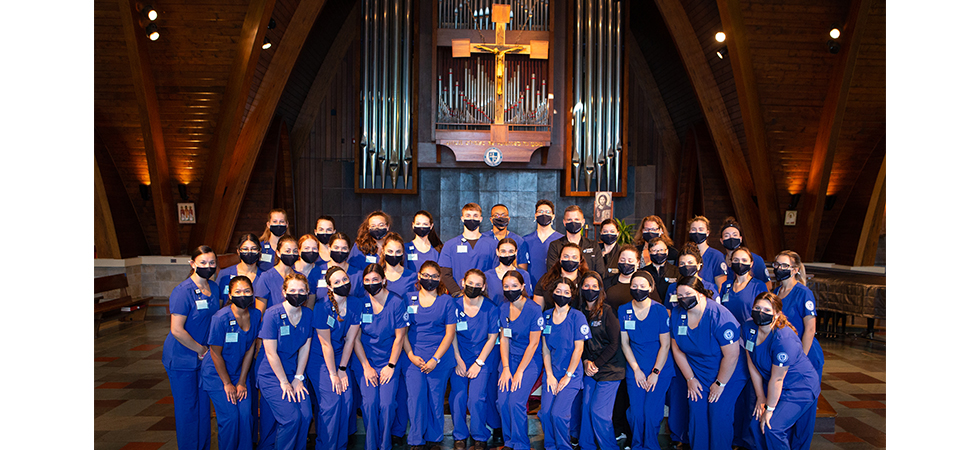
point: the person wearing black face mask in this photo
(337, 255)
(539, 240)
(707, 352)
(785, 384)
(370, 239)
(286, 332)
(574, 221)
(232, 340)
(608, 235)
(470, 250)
(309, 252)
(400, 280)
(714, 268)
(799, 304)
(521, 324)
(731, 239)
(570, 266)
(507, 261)
(650, 228)
(192, 304)
(324, 230)
(664, 273)
(604, 364)
(425, 246)
(275, 228)
(617, 286)
(248, 255)
(268, 285)
(500, 218)
(689, 264)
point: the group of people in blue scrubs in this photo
(305, 332)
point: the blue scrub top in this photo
(234, 342)
(671, 301)
(529, 320)
(495, 286)
(645, 337)
(459, 256)
(782, 348)
(267, 262)
(378, 330)
(472, 332)
(320, 287)
(740, 303)
(521, 247)
(415, 258)
(402, 286)
(714, 264)
(224, 277)
(187, 300)
(797, 305)
(560, 339)
(325, 318)
(269, 286)
(427, 326)
(758, 270)
(312, 278)
(289, 339)
(702, 345)
(537, 255)
(359, 260)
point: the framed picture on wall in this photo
(185, 213)
(602, 208)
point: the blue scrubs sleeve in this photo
(726, 329)
(582, 330)
(782, 352)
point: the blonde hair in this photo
(267, 234)
(796, 261)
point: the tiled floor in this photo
(134, 409)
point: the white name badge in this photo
(226, 290)
(367, 318)
(265, 257)
(749, 345)
(725, 298)
(462, 248)
(330, 321)
(630, 325)
(231, 337)
(284, 330)
(322, 283)
(412, 309)
(202, 304)
(413, 256)
(547, 329)
(462, 326)
(507, 332)
(671, 280)
(682, 330)
(673, 298)
(371, 259)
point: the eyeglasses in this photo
(497, 216)
(428, 277)
(544, 211)
(781, 266)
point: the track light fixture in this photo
(272, 23)
(833, 46)
(794, 201)
(267, 44)
(145, 192)
(835, 31)
(829, 201)
(722, 52)
(720, 36)
(149, 12)
(182, 191)
(152, 32)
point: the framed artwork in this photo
(602, 207)
(185, 213)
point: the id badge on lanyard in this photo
(750, 344)
(682, 328)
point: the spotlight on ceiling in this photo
(720, 36)
(149, 12)
(267, 44)
(833, 46)
(272, 23)
(722, 52)
(794, 201)
(835, 31)
(152, 32)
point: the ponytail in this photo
(333, 301)
(779, 319)
(798, 262)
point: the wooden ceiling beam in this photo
(161, 190)
(831, 118)
(300, 137)
(715, 112)
(229, 117)
(106, 242)
(867, 248)
(740, 56)
(663, 124)
(257, 122)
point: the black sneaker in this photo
(497, 438)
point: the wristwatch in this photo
(656, 371)
(437, 359)
(342, 368)
(299, 377)
(770, 408)
(719, 383)
(570, 374)
(480, 363)
(391, 365)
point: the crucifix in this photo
(537, 50)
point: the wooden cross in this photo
(462, 48)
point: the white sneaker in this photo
(621, 436)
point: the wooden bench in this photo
(125, 307)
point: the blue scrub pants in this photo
(712, 425)
(597, 413)
(513, 409)
(556, 416)
(334, 413)
(426, 397)
(192, 412)
(378, 409)
(253, 393)
(234, 421)
(493, 412)
(647, 411)
(743, 417)
(355, 394)
(792, 426)
(575, 426)
(400, 425)
(677, 417)
(283, 424)
(313, 386)
(465, 393)
(816, 358)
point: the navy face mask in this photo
(324, 237)
(508, 260)
(296, 299)
(249, 257)
(378, 233)
(590, 295)
(697, 238)
(338, 257)
(740, 269)
(512, 295)
(342, 290)
(393, 260)
(573, 227)
(204, 272)
(568, 265)
(289, 260)
(429, 285)
(561, 300)
(500, 222)
(783, 274)
(608, 239)
(760, 318)
(309, 257)
(639, 294)
(650, 235)
(373, 288)
(688, 271)
(732, 243)
(421, 231)
(471, 224)
(626, 269)
(243, 301)
(543, 219)
(658, 258)
(688, 302)
(277, 230)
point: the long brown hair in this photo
(391, 237)
(333, 301)
(434, 240)
(267, 234)
(554, 272)
(441, 289)
(365, 241)
(200, 250)
(601, 300)
(476, 272)
(638, 236)
(779, 320)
